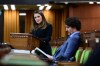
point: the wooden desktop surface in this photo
(22, 59)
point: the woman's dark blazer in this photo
(45, 36)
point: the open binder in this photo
(38, 51)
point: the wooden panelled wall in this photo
(88, 14)
(56, 18)
(28, 21)
(11, 24)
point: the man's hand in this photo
(50, 57)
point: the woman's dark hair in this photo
(42, 25)
(41, 13)
(73, 22)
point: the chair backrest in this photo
(85, 55)
(53, 49)
(82, 56)
(88, 48)
(78, 54)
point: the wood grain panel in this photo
(88, 14)
(11, 23)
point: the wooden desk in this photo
(68, 64)
(20, 59)
(23, 41)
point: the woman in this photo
(43, 30)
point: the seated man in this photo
(66, 52)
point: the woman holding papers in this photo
(66, 52)
(42, 30)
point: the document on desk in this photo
(20, 51)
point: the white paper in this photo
(20, 51)
(33, 52)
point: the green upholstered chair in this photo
(82, 56)
(53, 50)
(78, 54)
(85, 55)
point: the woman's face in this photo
(38, 18)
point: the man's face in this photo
(69, 29)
